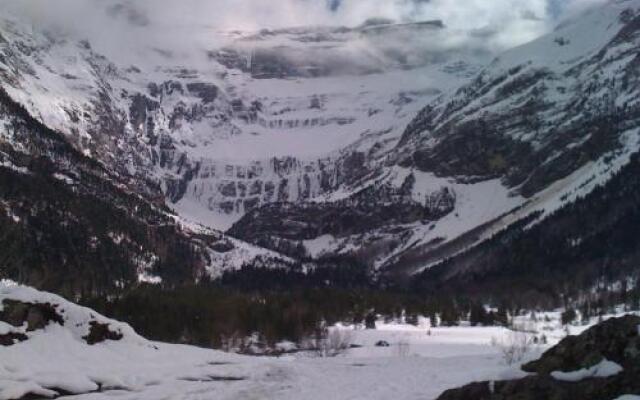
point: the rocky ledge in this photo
(603, 363)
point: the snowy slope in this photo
(551, 119)
(537, 105)
(547, 122)
(58, 360)
(52, 196)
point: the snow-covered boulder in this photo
(616, 339)
(29, 312)
(50, 347)
(600, 364)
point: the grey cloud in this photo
(505, 23)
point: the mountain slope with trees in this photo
(580, 254)
(71, 225)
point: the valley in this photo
(361, 203)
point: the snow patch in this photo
(11, 166)
(64, 178)
(604, 369)
(147, 278)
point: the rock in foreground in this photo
(603, 363)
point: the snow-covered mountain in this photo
(551, 119)
(539, 126)
(244, 120)
(308, 139)
(71, 224)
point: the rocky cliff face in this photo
(72, 225)
(373, 220)
(232, 188)
(339, 154)
(225, 129)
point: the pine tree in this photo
(568, 316)
(478, 315)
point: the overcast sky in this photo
(506, 22)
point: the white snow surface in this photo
(6, 328)
(57, 359)
(603, 369)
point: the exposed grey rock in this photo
(12, 338)
(205, 91)
(616, 340)
(36, 316)
(99, 333)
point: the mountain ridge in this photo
(335, 162)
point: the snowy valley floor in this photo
(416, 365)
(448, 358)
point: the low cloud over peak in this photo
(503, 23)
